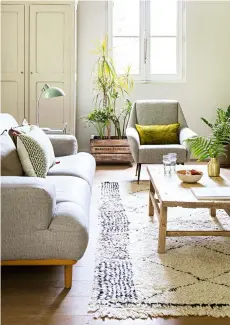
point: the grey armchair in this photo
(150, 112)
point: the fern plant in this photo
(221, 125)
(213, 146)
(206, 148)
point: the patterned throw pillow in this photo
(13, 132)
(35, 152)
(158, 134)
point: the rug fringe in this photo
(125, 313)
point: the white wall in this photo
(207, 83)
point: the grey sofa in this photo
(45, 221)
(150, 112)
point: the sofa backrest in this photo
(7, 121)
(10, 162)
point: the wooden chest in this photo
(111, 150)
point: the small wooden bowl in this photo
(188, 178)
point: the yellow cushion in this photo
(159, 134)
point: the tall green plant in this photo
(109, 86)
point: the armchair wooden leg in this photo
(139, 173)
(68, 276)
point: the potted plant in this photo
(109, 87)
(212, 147)
(222, 118)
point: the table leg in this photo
(162, 230)
(213, 212)
(151, 208)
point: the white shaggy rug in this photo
(133, 280)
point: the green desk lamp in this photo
(48, 92)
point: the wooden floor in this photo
(35, 295)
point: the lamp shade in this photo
(51, 92)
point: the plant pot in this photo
(225, 160)
(213, 167)
(111, 150)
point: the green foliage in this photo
(222, 132)
(207, 122)
(108, 88)
(99, 119)
(213, 146)
(222, 116)
(120, 120)
(204, 148)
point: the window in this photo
(148, 35)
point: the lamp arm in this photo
(37, 111)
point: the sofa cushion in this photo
(35, 151)
(153, 154)
(10, 162)
(72, 189)
(81, 165)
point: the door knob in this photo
(22, 72)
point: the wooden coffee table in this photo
(169, 192)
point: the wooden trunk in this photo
(111, 150)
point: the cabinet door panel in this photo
(50, 56)
(12, 60)
(50, 62)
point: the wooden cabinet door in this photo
(50, 62)
(12, 60)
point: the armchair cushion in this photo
(158, 134)
(153, 154)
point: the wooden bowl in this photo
(188, 178)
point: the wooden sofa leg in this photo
(68, 276)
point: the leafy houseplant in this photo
(214, 146)
(99, 119)
(109, 88)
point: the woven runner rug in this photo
(132, 280)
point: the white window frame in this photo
(144, 37)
